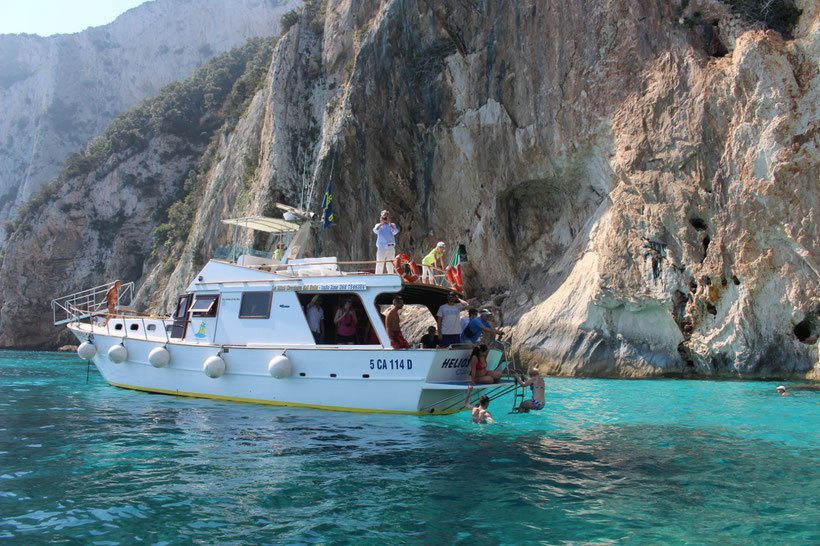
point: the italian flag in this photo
(457, 261)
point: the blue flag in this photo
(327, 207)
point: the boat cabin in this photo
(259, 301)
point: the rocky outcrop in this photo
(57, 93)
(636, 194)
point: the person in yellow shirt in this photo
(434, 259)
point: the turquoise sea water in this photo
(655, 462)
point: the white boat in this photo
(240, 333)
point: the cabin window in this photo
(255, 305)
(204, 306)
(182, 306)
(134, 327)
(151, 327)
(118, 326)
(349, 330)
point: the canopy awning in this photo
(263, 223)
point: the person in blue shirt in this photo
(472, 332)
(385, 243)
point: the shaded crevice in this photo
(711, 39)
(686, 355)
(806, 330)
(679, 301)
(698, 223)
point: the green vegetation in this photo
(779, 15)
(169, 237)
(319, 10)
(215, 95)
(315, 11)
(289, 19)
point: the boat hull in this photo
(343, 378)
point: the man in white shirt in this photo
(385, 243)
(449, 320)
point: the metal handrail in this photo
(287, 269)
(512, 371)
(89, 302)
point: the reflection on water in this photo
(606, 461)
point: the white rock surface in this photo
(58, 92)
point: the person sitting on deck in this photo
(536, 384)
(478, 366)
(430, 339)
(480, 413)
(393, 325)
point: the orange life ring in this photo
(454, 278)
(406, 268)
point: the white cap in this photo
(441, 243)
(781, 387)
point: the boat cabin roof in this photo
(263, 223)
(429, 295)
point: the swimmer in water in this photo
(480, 413)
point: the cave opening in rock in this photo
(805, 331)
(698, 223)
(711, 40)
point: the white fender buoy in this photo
(86, 350)
(280, 367)
(214, 367)
(159, 357)
(117, 354)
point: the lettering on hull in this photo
(391, 364)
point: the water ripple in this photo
(605, 462)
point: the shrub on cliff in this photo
(779, 15)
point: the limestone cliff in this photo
(57, 93)
(635, 183)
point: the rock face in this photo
(57, 93)
(636, 195)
